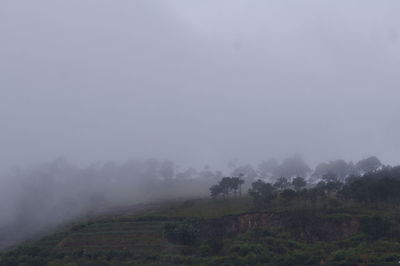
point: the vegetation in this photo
(227, 186)
(345, 219)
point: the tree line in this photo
(376, 188)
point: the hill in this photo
(220, 232)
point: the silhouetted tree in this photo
(376, 187)
(288, 195)
(367, 165)
(339, 168)
(330, 177)
(237, 183)
(226, 186)
(282, 183)
(262, 193)
(299, 183)
(216, 191)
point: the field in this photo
(223, 232)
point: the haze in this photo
(140, 97)
(198, 82)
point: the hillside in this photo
(223, 232)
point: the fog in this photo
(195, 82)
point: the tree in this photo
(299, 183)
(282, 183)
(330, 186)
(184, 233)
(339, 168)
(215, 191)
(226, 186)
(262, 193)
(330, 177)
(375, 188)
(314, 195)
(237, 183)
(320, 170)
(288, 195)
(369, 164)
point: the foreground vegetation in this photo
(351, 221)
(180, 235)
(165, 240)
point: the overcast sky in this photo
(199, 82)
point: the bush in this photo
(247, 249)
(181, 233)
(376, 227)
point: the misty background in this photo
(198, 81)
(195, 82)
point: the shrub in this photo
(375, 227)
(181, 233)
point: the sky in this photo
(198, 82)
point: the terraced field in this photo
(122, 234)
(118, 235)
(192, 233)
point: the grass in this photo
(139, 239)
(207, 208)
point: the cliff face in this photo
(308, 227)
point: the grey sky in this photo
(198, 81)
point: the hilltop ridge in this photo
(207, 232)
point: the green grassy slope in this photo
(206, 232)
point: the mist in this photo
(195, 82)
(43, 198)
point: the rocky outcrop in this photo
(302, 226)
